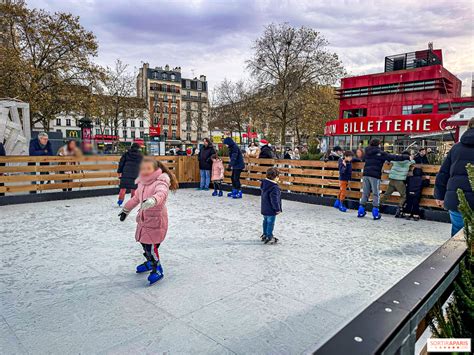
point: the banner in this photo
(397, 125)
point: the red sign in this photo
(155, 131)
(105, 137)
(401, 124)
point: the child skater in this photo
(217, 175)
(270, 204)
(128, 171)
(415, 185)
(236, 165)
(154, 182)
(345, 175)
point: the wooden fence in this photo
(22, 174)
(321, 178)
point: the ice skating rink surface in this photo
(68, 282)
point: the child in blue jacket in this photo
(345, 175)
(270, 204)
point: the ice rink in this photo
(68, 282)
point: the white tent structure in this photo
(15, 130)
(461, 119)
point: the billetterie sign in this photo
(423, 123)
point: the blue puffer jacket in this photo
(235, 155)
(453, 173)
(37, 150)
(375, 158)
(271, 198)
(345, 171)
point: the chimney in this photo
(202, 77)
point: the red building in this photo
(412, 98)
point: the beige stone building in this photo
(179, 107)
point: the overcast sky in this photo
(214, 37)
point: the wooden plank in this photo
(55, 177)
(58, 186)
(50, 168)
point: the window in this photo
(165, 121)
(142, 124)
(188, 136)
(173, 77)
(199, 136)
(132, 134)
(199, 95)
(97, 121)
(416, 109)
(165, 97)
(163, 88)
(142, 134)
(173, 134)
(107, 132)
(155, 121)
(58, 122)
(166, 109)
(68, 121)
(188, 93)
(199, 85)
(188, 116)
(188, 106)
(173, 98)
(358, 112)
(454, 106)
(188, 125)
(199, 128)
(188, 84)
(164, 76)
(97, 131)
(165, 132)
(124, 123)
(132, 123)
(173, 121)
(124, 133)
(173, 109)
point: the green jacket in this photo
(399, 170)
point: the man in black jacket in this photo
(128, 169)
(205, 163)
(265, 150)
(421, 157)
(375, 158)
(453, 176)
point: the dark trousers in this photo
(149, 249)
(235, 177)
(217, 185)
(412, 206)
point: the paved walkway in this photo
(67, 281)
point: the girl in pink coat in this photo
(217, 174)
(154, 182)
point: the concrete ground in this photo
(67, 280)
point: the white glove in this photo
(148, 203)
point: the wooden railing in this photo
(321, 178)
(22, 174)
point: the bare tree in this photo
(285, 61)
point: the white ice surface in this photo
(67, 281)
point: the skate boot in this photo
(376, 214)
(215, 193)
(263, 237)
(238, 194)
(221, 193)
(146, 266)
(399, 213)
(154, 277)
(271, 240)
(342, 208)
(361, 211)
(232, 194)
(337, 204)
(119, 203)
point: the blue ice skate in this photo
(337, 204)
(154, 277)
(342, 208)
(146, 266)
(232, 194)
(221, 193)
(376, 214)
(361, 211)
(238, 194)
(215, 193)
(119, 203)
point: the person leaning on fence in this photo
(266, 152)
(205, 164)
(40, 146)
(397, 182)
(70, 149)
(236, 165)
(415, 184)
(375, 158)
(453, 176)
(345, 175)
(128, 169)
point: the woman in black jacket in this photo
(453, 176)
(205, 163)
(128, 169)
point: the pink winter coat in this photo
(217, 170)
(153, 222)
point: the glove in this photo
(148, 203)
(123, 214)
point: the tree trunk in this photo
(283, 134)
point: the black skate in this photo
(263, 237)
(271, 240)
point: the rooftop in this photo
(68, 283)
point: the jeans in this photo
(370, 184)
(268, 225)
(235, 177)
(457, 222)
(205, 179)
(396, 185)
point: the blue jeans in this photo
(457, 223)
(268, 225)
(205, 179)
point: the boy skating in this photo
(270, 204)
(345, 175)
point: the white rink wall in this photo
(68, 285)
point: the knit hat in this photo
(263, 142)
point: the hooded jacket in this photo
(205, 154)
(375, 158)
(399, 170)
(345, 171)
(271, 198)
(266, 152)
(129, 166)
(416, 183)
(453, 174)
(236, 158)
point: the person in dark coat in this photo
(336, 154)
(205, 163)
(375, 158)
(415, 184)
(345, 175)
(453, 175)
(270, 204)
(421, 157)
(128, 169)
(2, 154)
(266, 151)
(40, 146)
(236, 165)
(287, 154)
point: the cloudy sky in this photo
(214, 37)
